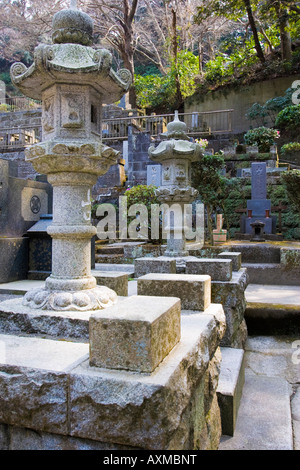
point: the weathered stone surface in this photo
(33, 381)
(273, 274)
(290, 258)
(231, 295)
(235, 257)
(73, 405)
(230, 386)
(264, 419)
(26, 439)
(258, 253)
(217, 269)
(193, 290)
(116, 281)
(161, 264)
(144, 410)
(15, 318)
(33, 398)
(4, 439)
(295, 405)
(137, 334)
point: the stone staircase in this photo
(277, 268)
(107, 253)
(270, 264)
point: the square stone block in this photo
(193, 290)
(135, 334)
(235, 257)
(217, 269)
(161, 264)
(114, 280)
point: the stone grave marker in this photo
(219, 234)
(154, 175)
(259, 207)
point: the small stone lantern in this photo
(73, 80)
(176, 154)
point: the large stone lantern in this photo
(176, 154)
(73, 80)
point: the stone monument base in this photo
(161, 276)
(52, 398)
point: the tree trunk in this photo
(285, 38)
(179, 98)
(200, 58)
(128, 45)
(129, 64)
(252, 23)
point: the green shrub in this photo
(142, 194)
(291, 182)
(4, 108)
(291, 147)
(262, 136)
(257, 113)
(289, 118)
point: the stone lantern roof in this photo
(177, 144)
(70, 53)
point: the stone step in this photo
(258, 253)
(109, 250)
(122, 267)
(112, 258)
(264, 418)
(272, 273)
(272, 319)
(272, 309)
(230, 387)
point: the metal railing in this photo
(19, 137)
(198, 124)
(18, 103)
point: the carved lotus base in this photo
(90, 157)
(173, 194)
(97, 298)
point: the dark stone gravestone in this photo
(40, 249)
(259, 207)
(21, 204)
(138, 158)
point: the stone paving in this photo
(269, 413)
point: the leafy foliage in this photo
(291, 147)
(142, 194)
(289, 117)
(207, 179)
(262, 136)
(157, 90)
(258, 112)
(291, 182)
